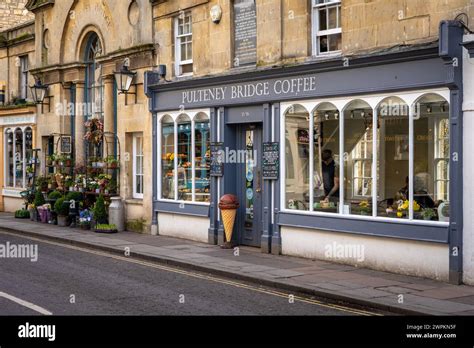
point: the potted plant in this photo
(94, 131)
(101, 163)
(61, 208)
(85, 219)
(364, 208)
(428, 213)
(30, 170)
(113, 163)
(39, 200)
(100, 211)
(111, 186)
(33, 212)
(22, 214)
(42, 183)
(105, 228)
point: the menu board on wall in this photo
(66, 144)
(245, 32)
(271, 160)
(217, 159)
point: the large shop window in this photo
(363, 160)
(183, 44)
(185, 158)
(326, 26)
(18, 155)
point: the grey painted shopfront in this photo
(244, 109)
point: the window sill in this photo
(181, 207)
(134, 201)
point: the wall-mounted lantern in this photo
(38, 92)
(124, 79)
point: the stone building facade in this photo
(211, 62)
(12, 13)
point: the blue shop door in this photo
(249, 184)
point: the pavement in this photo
(384, 291)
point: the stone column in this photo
(79, 120)
(108, 106)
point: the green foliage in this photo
(136, 225)
(39, 199)
(105, 227)
(55, 195)
(73, 195)
(61, 208)
(100, 213)
(22, 214)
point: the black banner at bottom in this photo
(291, 331)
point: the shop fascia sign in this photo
(253, 90)
(17, 120)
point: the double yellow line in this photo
(203, 276)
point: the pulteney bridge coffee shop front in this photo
(343, 152)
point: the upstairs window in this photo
(326, 20)
(183, 44)
(23, 77)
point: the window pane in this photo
(297, 136)
(393, 151)
(184, 159)
(332, 17)
(202, 159)
(18, 158)
(167, 158)
(10, 158)
(326, 159)
(358, 158)
(431, 162)
(322, 19)
(334, 42)
(323, 44)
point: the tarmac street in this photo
(70, 280)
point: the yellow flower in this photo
(399, 214)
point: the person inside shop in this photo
(330, 177)
(420, 194)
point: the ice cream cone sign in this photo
(228, 204)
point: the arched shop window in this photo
(326, 158)
(385, 168)
(184, 169)
(297, 135)
(18, 155)
(185, 158)
(167, 158)
(431, 155)
(357, 166)
(202, 155)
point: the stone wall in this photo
(13, 12)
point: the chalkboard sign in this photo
(66, 144)
(217, 159)
(271, 160)
(245, 32)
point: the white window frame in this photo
(410, 98)
(316, 33)
(177, 44)
(22, 161)
(135, 174)
(437, 157)
(175, 115)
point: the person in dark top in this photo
(330, 176)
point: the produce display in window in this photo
(167, 158)
(185, 169)
(184, 159)
(202, 159)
